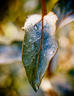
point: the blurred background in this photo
(13, 80)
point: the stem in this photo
(43, 7)
(44, 12)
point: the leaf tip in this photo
(36, 86)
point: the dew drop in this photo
(30, 40)
(33, 36)
(36, 28)
(32, 47)
(51, 52)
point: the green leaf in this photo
(31, 45)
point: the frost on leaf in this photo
(31, 45)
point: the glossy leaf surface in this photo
(35, 70)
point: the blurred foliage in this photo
(13, 80)
(51, 4)
(65, 54)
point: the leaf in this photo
(31, 46)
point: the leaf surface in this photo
(35, 70)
